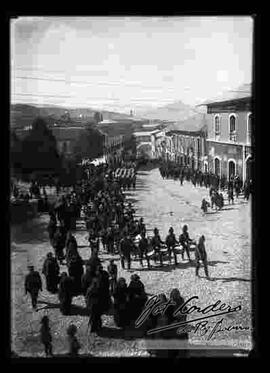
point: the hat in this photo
(135, 277)
(44, 319)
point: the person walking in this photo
(171, 242)
(65, 293)
(200, 255)
(137, 297)
(32, 285)
(156, 243)
(74, 345)
(51, 272)
(94, 305)
(125, 250)
(112, 271)
(45, 336)
(185, 240)
(120, 296)
(143, 249)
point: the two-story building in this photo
(229, 134)
(146, 143)
(185, 142)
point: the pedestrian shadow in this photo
(230, 279)
(179, 265)
(48, 305)
(164, 268)
(78, 310)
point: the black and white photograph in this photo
(131, 186)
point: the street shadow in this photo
(181, 265)
(230, 279)
(164, 268)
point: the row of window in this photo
(232, 127)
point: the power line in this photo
(33, 95)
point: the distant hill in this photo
(22, 115)
(172, 112)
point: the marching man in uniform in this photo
(171, 242)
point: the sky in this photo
(128, 63)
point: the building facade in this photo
(229, 137)
(147, 142)
(185, 143)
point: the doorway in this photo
(231, 169)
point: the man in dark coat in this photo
(87, 279)
(94, 305)
(51, 272)
(33, 285)
(112, 271)
(104, 282)
(65, 293)
(171, 242)
(185, 240)
(156, 243)
(143, 249)
(120, 296)
(137, 298)
(200, 255)
(125, 250)
(59, 244)
(75, 270)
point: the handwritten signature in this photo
(155, 306)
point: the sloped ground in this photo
(162, 203)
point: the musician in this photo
(143, 249)
(171, 242)
(185, 241)
(156, 243)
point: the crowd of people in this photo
(99, 199)
(217, 185)
(110, 221)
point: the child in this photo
(45, 335)
(205, 205)
(74, 345)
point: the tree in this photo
(15, 150)
(89, 145)
(39, 150)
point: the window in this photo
(217, 125)
(232, 129)
(249, 126)
(199, 146)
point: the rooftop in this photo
(244, 91)
(193, 124)
(146, 133)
